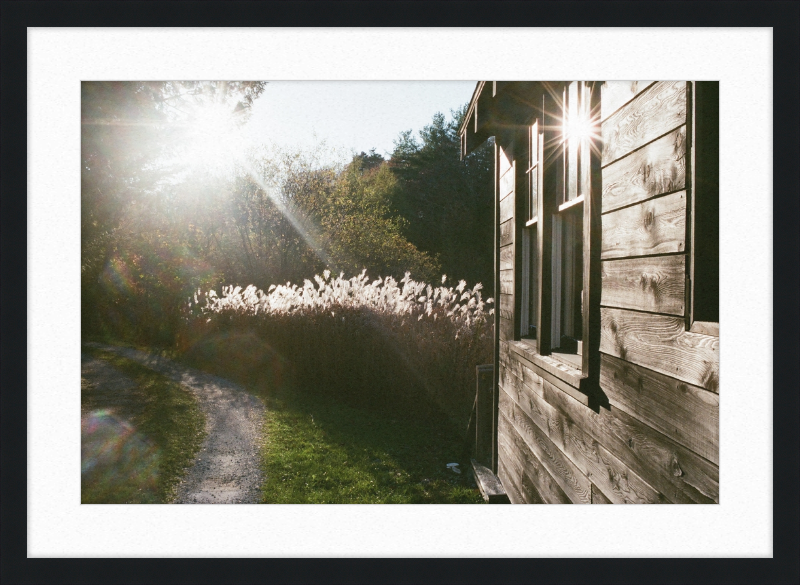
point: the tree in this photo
(128, 183)
(294, 218)
(275, 207)
(362, 229)
(447, 203)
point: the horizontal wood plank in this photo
(655, 284)
(656, 226)
(505, 158)
(618, 482)
(506, 329)
(514, 472)
(656, 111)
(705, 327)
(507, 233)
(507, 258)
(507, 282)
(563, 375)
(508, 471)
(507, 184)
(507, 208)
(515, 390)
(531, 478)
(677, 472)
(574, 483)
(662, 344)
(681, 475)
(616, 94)
(510, 366)
(598, 497)
(509, 483)
(534, 480)
(685, 413)
(507, 307)
(556, 380)
(659, 167)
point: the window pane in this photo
(530, 286)
(533, 301)
(533, 171)
(567, 274)
(573, 140)
(572, 277)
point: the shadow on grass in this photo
(336, 442)
(319, 450)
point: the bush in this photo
(386, 345)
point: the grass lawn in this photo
(136, 450)
(318, 450)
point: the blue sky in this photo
(350, 115)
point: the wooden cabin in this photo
(606, 367)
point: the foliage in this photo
(153, 230)
(131, 132)
(360, 227)
(446, 202)
(380, 344)
(295, 217)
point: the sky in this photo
(350, 115)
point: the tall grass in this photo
(402, 346)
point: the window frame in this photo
(553, 189)
(529, 250)
(702, 261)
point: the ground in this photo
(227, 466)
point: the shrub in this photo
(404, 346)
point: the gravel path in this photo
(227, 468)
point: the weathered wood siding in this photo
(656, 439)
(652, 369)
(505, 193)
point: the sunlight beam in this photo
(304, 229)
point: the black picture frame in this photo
(783, 17)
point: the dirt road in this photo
(227, 468)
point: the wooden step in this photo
(490, 485)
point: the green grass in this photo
(318, 450)
(168, 428)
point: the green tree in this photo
(363, 230)
(295, 217)
(447, 203)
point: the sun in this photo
(213, 138)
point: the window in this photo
(567, 251)
(530, 255)
(567, 267)
(556, 243)
(703, 313)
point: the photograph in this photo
(399, 292)
(402, 253)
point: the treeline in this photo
(156, 227)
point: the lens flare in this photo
(118, 464)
